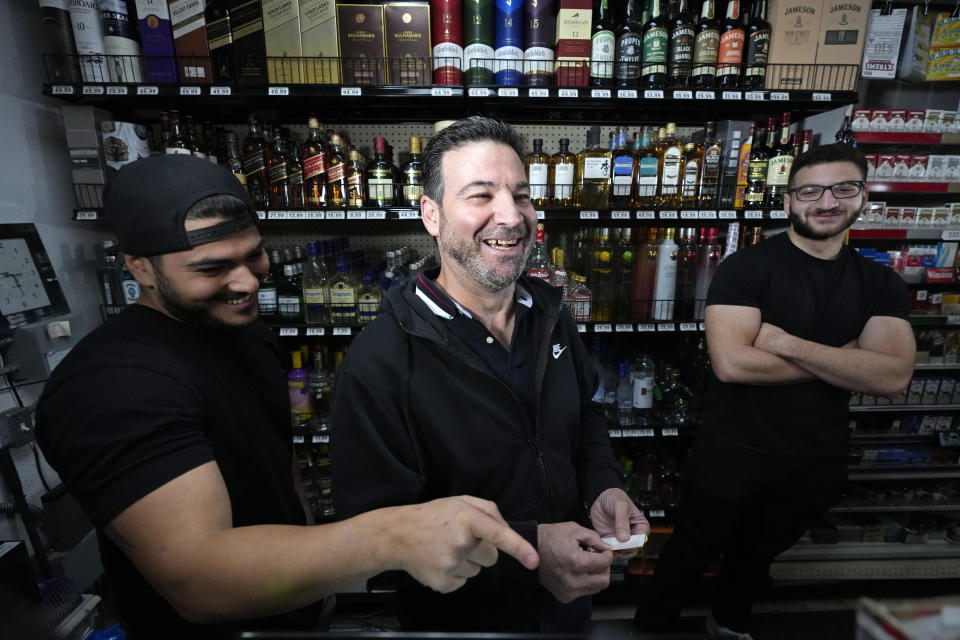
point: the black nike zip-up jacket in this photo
(417, 415)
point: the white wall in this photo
(35, 186)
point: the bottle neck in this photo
(707, 11)
(759, 10)
(733, 9)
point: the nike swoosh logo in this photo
(557, 352)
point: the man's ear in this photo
(430, 215)
(142, 270)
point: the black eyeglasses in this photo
(813, 192)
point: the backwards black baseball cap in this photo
(148, 200)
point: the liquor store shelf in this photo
(903, 407)
(898, 438)
(868, 550)
(301, 330)
(934, 321)
(894, 137)
(926, 366)
(930, 472)
(916, 188)
(925, 233)
(651, 432)
(899, 508)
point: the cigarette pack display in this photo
(953, 168)
(945, 423)
(950, 303)
(361, 43)
(925, 219)
(936, 167)
(318, 40)
(931, 388)
(407, 32)
(885, 162)
(871, 165)
(901, 167)
(948, 121)
(915, 391)
(190, 40)
(875, 213)
(878, 119)
(861, 120)
(897, 120)
(951, 355)
(931, 121)
(156, 37)
(914, 120)
(891, 217)
(908, 217)
(918, 168)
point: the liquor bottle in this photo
(656, 38)
(336, 162)
(255, 160)
(267, 294)
(779, 164)
(342, 295)
(381, 176)
(277, 175)
(176, 142)
(603, 44)
(807, 140)
(796, 143)
(478, 41)
(708, 259)
(624, 167)
(710, 169)
(508, 42)
(757, 172)
(758, 47)
(665, 284)
(233, 162)
(315, 275)
(446, 19)
(540, 27)
(644, 274)
(537, 167)
(670, 153)
(314, 166)
(368, 299)
(706, 46)
(644, 376)
(249, 45)
(845, 134)
(629, 50)
(648, 171)
(730, 54)
(290, 295)
(601, 279)
(624, 397)
(558, 272)
(538, 264)
(61, 66)
(593, 164)
(686, 287)
(682, 34)
(211, 143)
(88, 38)
(692, 158)
(298, 391)
(295, 192)
(743, 169)
(193, 138)
(220, 40)
(411, 174)
(121, 40)
(623, 276)
(581, 298)
(356, 189)
(108, 276)
(563, 165)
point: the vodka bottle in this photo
(666, 280)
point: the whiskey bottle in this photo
(540, 27)
(193, 139)
(234, 163)
(757, 172)
(691, 175)
(412, 176)
(121, 40)
(176, 142)
(356, 190)
(624, 165)
(705, 49)
(682, 34)
(59, 42)
(779, 165)
(255, 158)
(314, 167)
(670, 154)
(290, 295)
(730, 55)
(629, 50)
(648, 170)
(593, 164)
(656, 38)
(295, 192)
(446, 20)
(563, 166)
(603, 44)
(336, 172)
(710, 169)
(537, 167)
(743, 169)
(277, 172)
(381, 176)
(249, 45)
(508, 42)
(758, 46)
(478, 41)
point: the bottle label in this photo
(778, 170)
(655, 51)
(758, 49)
(355, 179)
(254, 164)
(671, 169)
(380, 188)
(690, 172)
(629, 56)
(757, 171)
(563, 180)
(343, 300)
(314, 298)
(447, 54)
(278, 172)
(538, 178)
(705, 51)
(412, 192)
(537, 61)
(622, 175)
(314, 165)
(508, 58)
(295, 175)
(367, 308)
(177, 150)
(478, 54)
(643, 392)
(596, 168)
(681, 50)
(289, 306)
(602, 48)
(336, 172)
(267, 299)
(730, 53)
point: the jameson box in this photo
(794, 32)
(573, 42)
(281, 35)
(318, 39)
(361, 43)
(190, 40)
(843, 27)
(157, 40)
(407, 29)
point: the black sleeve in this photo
(893, 299)
(115, 434)
(739, 279)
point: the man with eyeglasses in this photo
(794, 324)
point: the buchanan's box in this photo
(407, 29)
(361, 43)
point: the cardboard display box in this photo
(318, 40)
(407, 31)
(361, 36)
(794, 33)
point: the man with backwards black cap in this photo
(170, 426)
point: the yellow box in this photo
(946, 31)
(318, 36)
(944, 64)
(281, 32)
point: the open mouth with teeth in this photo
(497, 243)
(237, 301)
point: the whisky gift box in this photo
(843, 27)
(190, 40)
(794, 33)
(157, 40)
(249, 47)
(478, 41)
(573, 42)
(361, 43)
(281, 35)
(540, 28)
(407, 32)
(318, 40)
(446, 22)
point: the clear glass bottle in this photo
(315, 275)
(624, 166)
(670, 152)
(623, 276)
(563, 167)
(648, 171)
(342, 295)
(601, 279)
(594, 165)
(691, 175)
(624, 397)
(580, 298)
(538, 265)
(368, 299)
(537, 167)
(290, 295)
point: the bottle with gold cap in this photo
(313, 152)
(411, 175)
(336, 172)
(356, 189)
(670, 152)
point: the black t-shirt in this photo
(144, 399)
(824, 301)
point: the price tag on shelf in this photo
(441, 92)
(600, 93)
(753, 215)
(92, 90)
(581, 328)
(589, 215)
(116, 91)
(568, 93)
(668, 215)
(278, 91)
(953, 319)
(727, 215)
(656, 513)
(61, 90)
(778, 215)
(624, 328)
(666, 327)
(689, 215)
(688, 326)
(409, 215)
(646, 215)
(619, 215)
(342, 331)
(148, 90)
(220, 91)
(318, 439)
(602, 328)
(706, 95)
(189, 91)
(477, 92)
(732, 95)
(315, 215)
(85, 215)
(298, 215)
(316, 331)
(950, 234)
(653, 94)
(708, 215)
(538, 92)
(297, 439)
(336, 215)
(616, 433)
(646, 327)
(683, 95)
(508, 92)
(356, 215)
(354, 92)
(703, 327)
(754, 95)
(376, 215)
(276, 215)
(822, 97)
(780, 96)
(541, 215)
(645, 433)
(261, 215)
(629, 94)
(289, 332)
(670, 431)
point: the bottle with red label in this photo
(336, 172)
(447, 29)
(538, 265)
(313, 153)
(730, 55)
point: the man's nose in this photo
(506, 210)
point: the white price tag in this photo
(778, 215)
(316, 331)
(61, 90)
(477, 92)
(148, 91)
(627, 93)
(670, 431)
(619, 215)
(822, 97)
(320, 439)
(189, 91)
(703, 327)
(85, 215)
(732, 95)
(116, 91)
(624, 328)
(646, 215)
(753, 215)
(631, 433)
(220, 91)
(441, 92)
(589, 215)
(668, 215)
(656, 513)
(666, 327)
(538, 92)
(581, 328)
(706, 95)
(342, 331)
(299, 215)
(683, 95)
(508, 92)
(355, 92)
(409, 215)
(336, 215)
(646, 327)
(780, 96)
(315, 215)
(297, 439)
(261, 215)
(568, 93)
(289, 331)
(602, 328)
(356, 215)
(92, 90)
(688, 326)
(645, 433)
(689, 215)
(279, 91)
(950, 234)
(276, 215)
(953, 319)
(376, 215)
(728, 215)
(616, 433)
(541, 215)
(653, 94)
(600, 93)
(754, 95)
(708, 215)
